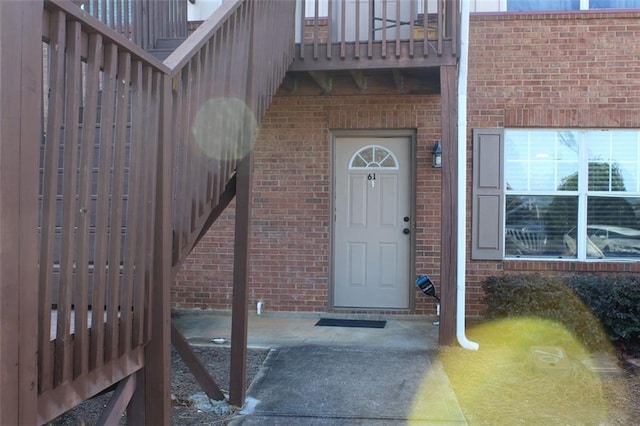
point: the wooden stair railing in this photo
(101, 123)
(142, 21)
(138, 158)
(223, 79)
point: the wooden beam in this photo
(135, 409)
(398, 79)
(244, 171)
(453, 22)
(20, 138)
(448, 251)
(290, 83)
(197, 368)
(223, 202)
(359, 79)
(158, 351)
(118, 402)
(322, 79)
(240, 302)
(360, 59)
(56, 401)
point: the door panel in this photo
(358, 202)
(372, 196)
(388, 257)
(357, 264)
(389, 200)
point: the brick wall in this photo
(292, 179)
(574, 69)
(579, 69)
(310, 30)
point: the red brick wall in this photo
(579, 69)
(292, 178)
(310, 28)
(571, 70)
(552, 70)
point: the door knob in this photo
(406, 231)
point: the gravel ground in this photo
(187, 408)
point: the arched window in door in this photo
(373, 156)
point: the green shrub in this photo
(615, 301)
(596, 309)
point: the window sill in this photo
(570, 265)
(555, 14)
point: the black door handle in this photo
(406, 231)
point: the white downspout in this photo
(462, 178)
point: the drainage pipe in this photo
(462, 178)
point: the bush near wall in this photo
(585, 304)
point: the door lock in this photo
(406, 219)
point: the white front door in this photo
(372, 229)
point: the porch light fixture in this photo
(437, 155)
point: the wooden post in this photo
(240, 302)
(20, 137)
(448, 251)
(196, 367)
(136, 407)
(240, 308)
(157, 376)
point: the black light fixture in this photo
(437, 155)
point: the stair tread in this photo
(169, 43)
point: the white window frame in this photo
(584, 5)
(582, 193)
(373, 164)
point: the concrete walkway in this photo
(338, 375)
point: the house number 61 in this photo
(372, 178)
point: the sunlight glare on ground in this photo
(527, 371)
(220, 125)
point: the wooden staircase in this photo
(163, 47)
(110, 211)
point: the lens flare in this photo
(224, 128)
(527, 371)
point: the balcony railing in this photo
(375, 30)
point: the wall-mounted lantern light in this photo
(437, 155)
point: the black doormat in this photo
(332, 322)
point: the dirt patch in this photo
(184, 389)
